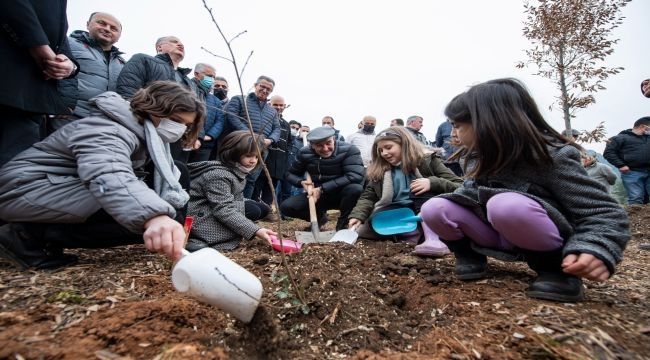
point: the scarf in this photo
(166, 174)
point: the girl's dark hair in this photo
(508, 127)
(239, 143)
(164, 98)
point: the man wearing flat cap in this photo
(337, 172)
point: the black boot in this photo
(470, 265)
(19, 247)
(551, 282)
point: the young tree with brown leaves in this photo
(570, 40)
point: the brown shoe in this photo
(272, 217)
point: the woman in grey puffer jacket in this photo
(101, 181)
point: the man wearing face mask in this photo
(629, 151)
(221, 89)
(204, 78)
(364, 138)
(329, 121)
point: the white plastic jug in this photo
(213, 278)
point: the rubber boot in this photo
(431, 246)
(470, 265)
(551, 282)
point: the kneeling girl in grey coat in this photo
(217, 195)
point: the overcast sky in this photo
(350, 58)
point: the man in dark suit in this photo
(35, 54)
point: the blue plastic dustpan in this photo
(391, 222)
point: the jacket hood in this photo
(84, 37)
(113, 106)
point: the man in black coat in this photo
(277, 160)
(337, 172)
(34, 55)
(142, 69)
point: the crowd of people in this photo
(100, 152)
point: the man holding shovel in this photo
(336, 172)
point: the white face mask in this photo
(170, 131)
(294, 132)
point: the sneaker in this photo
(645, 246)
(17, 247)
(556, 286)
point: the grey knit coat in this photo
(217, 205)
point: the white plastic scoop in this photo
(212, 278)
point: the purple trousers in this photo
(514, 220)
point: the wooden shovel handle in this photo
(312, 203)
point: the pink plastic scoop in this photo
(287, 246)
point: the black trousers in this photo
(18, 131)
(100, 230)
(343, 199)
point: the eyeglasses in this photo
(389, 133)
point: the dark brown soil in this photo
(373, 300)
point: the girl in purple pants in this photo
(526, 197)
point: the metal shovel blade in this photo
(397, 221)
(346, 235)
(307, 237)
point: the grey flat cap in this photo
(320, 134)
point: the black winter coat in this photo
(142, 69)
(277, 160)
(628, 148)
(24, 24)
(344, 167)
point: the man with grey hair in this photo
(414, 124)
(142, 69)
(264, 120)
(100, 63)
(204, 75)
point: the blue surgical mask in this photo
(170, 131)
(207, 81)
